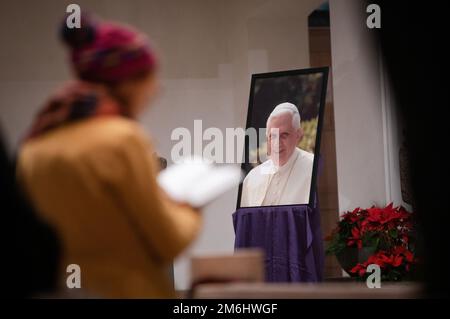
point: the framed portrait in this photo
(280, 164)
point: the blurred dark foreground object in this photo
(33, 249)
(416, 57)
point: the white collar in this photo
(280, 169)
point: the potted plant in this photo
(382, 236)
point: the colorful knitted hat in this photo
(107, 52)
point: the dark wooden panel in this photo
(320, 55)
(319, 40)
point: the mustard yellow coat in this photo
(94, 181)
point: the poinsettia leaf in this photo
(377, 243)
(393, 233)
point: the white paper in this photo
(197, 181)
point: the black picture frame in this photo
(324, 71)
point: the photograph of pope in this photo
(285, 178)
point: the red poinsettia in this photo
(388, 231)
(386, 215)
(392, 264)
(355, 238)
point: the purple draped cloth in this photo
(290, 237)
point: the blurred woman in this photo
(90, 170)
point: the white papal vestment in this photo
(268, 184)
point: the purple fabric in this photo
(290, 237)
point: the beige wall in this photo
(209, 50)
(367, 128)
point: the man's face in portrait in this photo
(282, 138)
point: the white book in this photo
(197, 181)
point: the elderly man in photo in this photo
(285, 178)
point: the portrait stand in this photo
(290, 237)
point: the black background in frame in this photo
(324, 71)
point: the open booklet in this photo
(197, 181)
